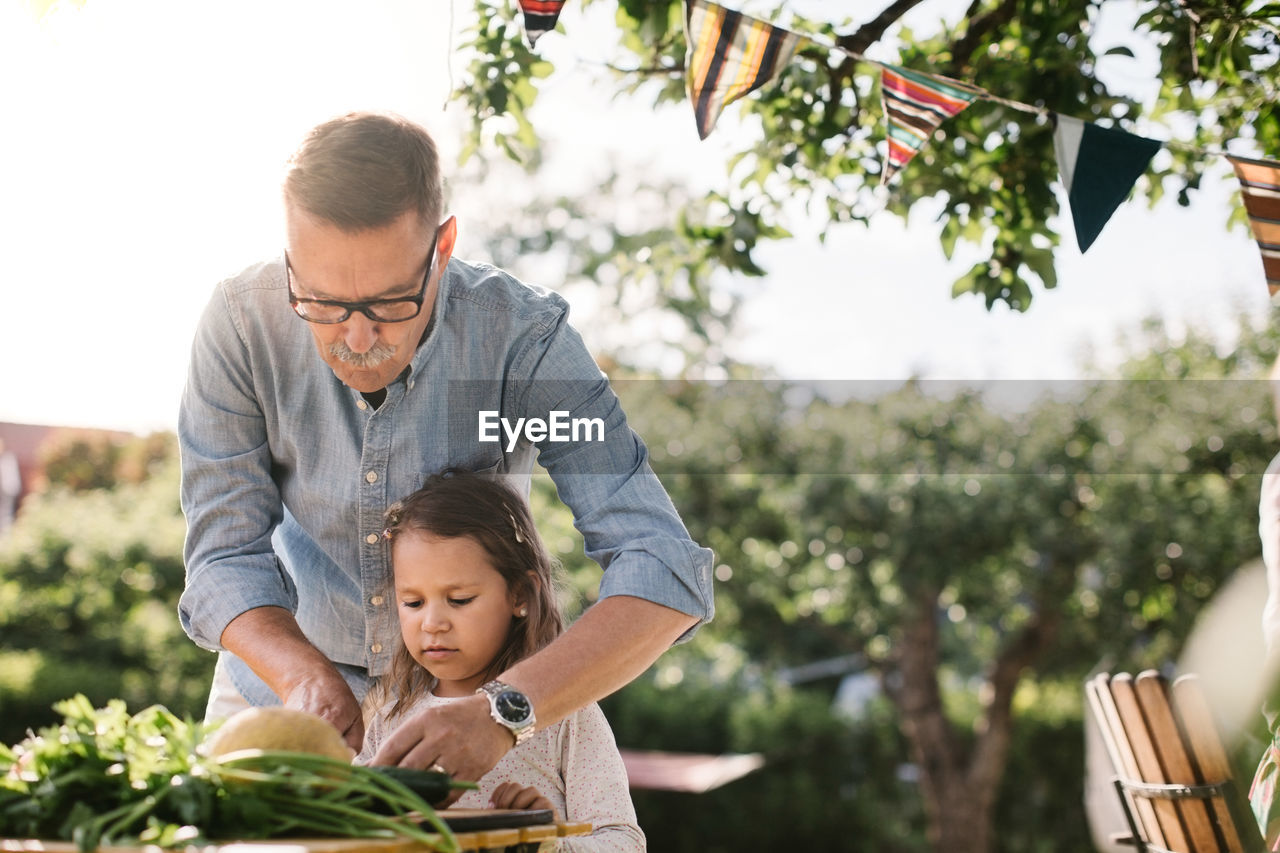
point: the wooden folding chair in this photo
(1171, 772)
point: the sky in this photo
(145, 139)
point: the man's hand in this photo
(459, 738)
(509, 795)
(327, 694)
(270, 641)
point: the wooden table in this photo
(497, 839)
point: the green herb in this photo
(105, 777)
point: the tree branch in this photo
(993, 739)
(865, 36)
(979, 27)
(872, 31)
(645, 71)
(988, 758)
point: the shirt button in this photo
(361, 405)
(371, 477)
(375, 648)
(376, 601)
(372, 538)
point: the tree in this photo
(820, 120)
(964, 551)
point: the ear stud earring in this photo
(522, 612)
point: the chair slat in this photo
(1201, 734)
(1144, 752)
(1153, 696)
(1098, 690)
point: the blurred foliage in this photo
(39, 8)
(501, 76)
(90, 576)
(829, 782)
(1032, 533)
(77, 460)
(648, 279)
(984, 548)
(817, 130)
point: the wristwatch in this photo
(510, 709)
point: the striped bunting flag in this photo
(730, 55)
(539, 17)
(1260, 187)
(915, 105)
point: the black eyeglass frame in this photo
(364, 306)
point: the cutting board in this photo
(471, 820)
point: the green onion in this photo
(104, 777)
(327, 795)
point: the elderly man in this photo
(328, 383)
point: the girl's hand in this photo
(509, 795)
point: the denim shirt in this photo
(286, 471)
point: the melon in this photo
(277, 728)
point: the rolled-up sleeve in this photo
(229, 498)
(628, 522)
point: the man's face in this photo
(381, 263)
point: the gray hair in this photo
(364, 170)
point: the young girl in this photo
(475, 594)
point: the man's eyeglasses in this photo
(330, 311)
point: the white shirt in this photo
(1269, 532)
(575, 764)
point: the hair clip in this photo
(515, 527)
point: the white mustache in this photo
(373, 357)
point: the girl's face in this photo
(454, 607)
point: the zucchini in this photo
(431, 785)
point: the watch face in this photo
(513, 706)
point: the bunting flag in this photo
(1099, 166)
(539, 17)
(915, 105)
(730, 55)
(1260, 188)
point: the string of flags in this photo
(729, 55)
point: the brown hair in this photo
(480, 507)
(363, 170)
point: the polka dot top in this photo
(575, 764)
